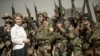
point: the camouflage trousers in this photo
(59, 49)
(77, 48)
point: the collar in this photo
(17, 25)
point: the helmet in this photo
(45, 14)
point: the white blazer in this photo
(17, 35)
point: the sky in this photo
(42, 5)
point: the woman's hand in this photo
(26, 40)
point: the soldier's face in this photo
(71, 28)
(18, 20)
(6, 20)
(56, 14)
(40, 18)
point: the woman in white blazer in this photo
(19, 37)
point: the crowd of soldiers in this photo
(49, 37)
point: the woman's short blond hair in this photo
(18, 15)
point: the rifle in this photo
(28, 12)
(56, 6)
(13, 10)
(29, 16)
(83, 9)
(61, 14)
(73, 8)
(35, 8)
(89, 12)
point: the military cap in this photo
(6, 15)
(97, 7)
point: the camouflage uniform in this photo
(7, 50)
(75, 42)
(96, 32)
(59, 40)
(43, 37)
(74, 36)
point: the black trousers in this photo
(21, 52)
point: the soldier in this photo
(74, 36)
(95, 38)
(86, 33)
(59, 40)
(8, 43)
(75, 41)
(27, 29)
(6, 32)
(7, 20)
(43, 35)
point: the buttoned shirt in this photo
(18, 34)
